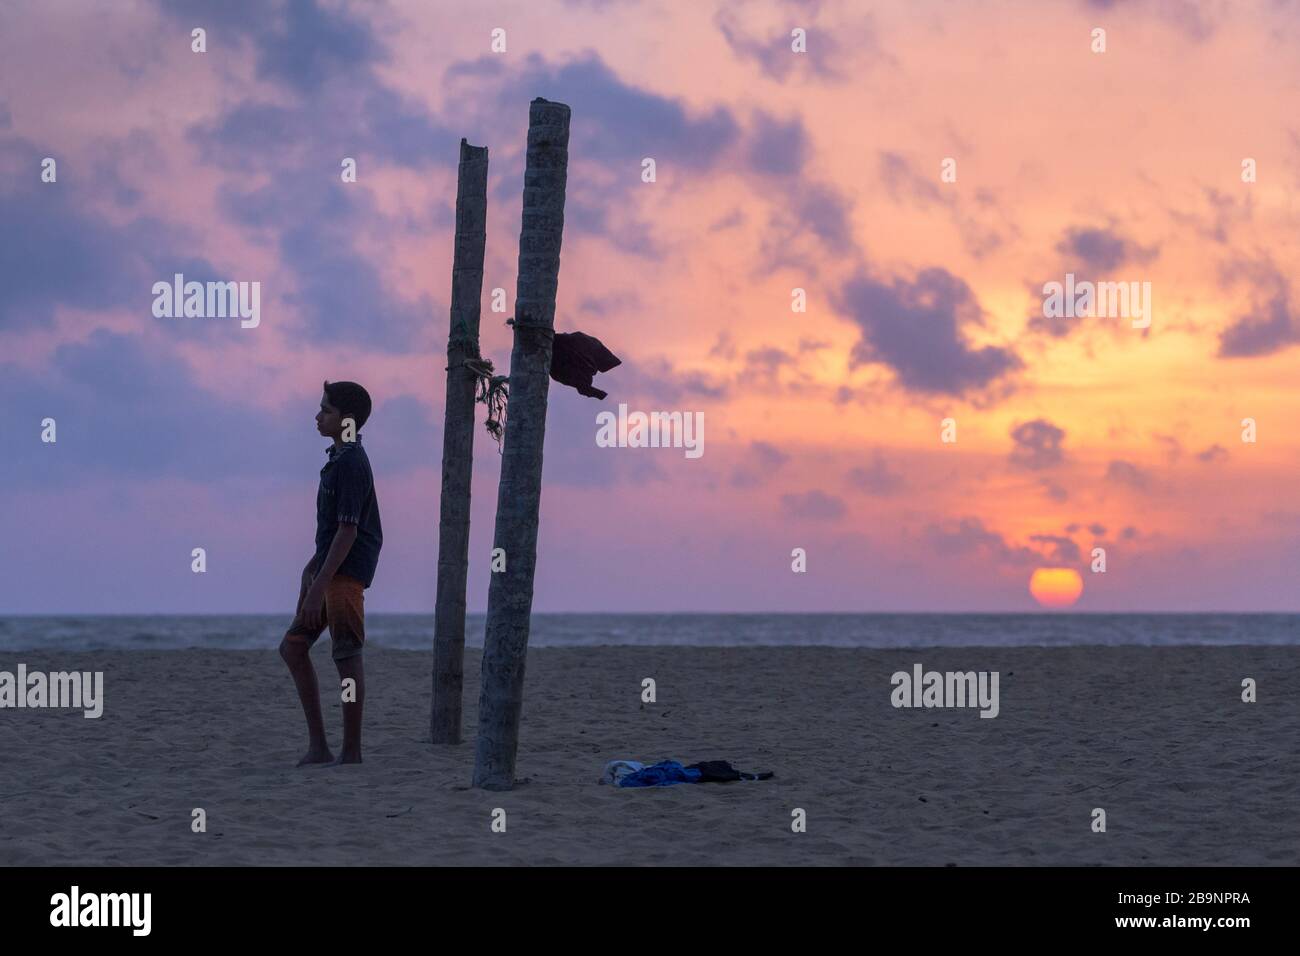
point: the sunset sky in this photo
(775, 170)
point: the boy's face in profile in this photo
(329, 420)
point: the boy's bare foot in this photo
(316, 755)
(345, 758)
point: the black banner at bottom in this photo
(609, 904)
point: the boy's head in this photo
(342, 400)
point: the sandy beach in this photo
(1160, 739)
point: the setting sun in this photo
(1056, 587)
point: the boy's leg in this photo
(295, 649)
(351, 667)
(345, 597)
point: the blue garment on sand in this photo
(663, 774)
(616, 770)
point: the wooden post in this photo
(458, 446)
(510, 593)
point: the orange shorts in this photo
(343, 613)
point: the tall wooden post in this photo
(458, 446)
(510, 593)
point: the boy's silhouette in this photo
(348, 540)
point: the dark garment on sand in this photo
(576, 358)
(665, 773)
(719, 771)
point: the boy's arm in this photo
(339, 548)
(314, 600)
(353, 485)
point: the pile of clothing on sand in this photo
(665, 773)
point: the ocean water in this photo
(415, 631)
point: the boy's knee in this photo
(349, 663)
(292, 652)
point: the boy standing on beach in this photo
(348, 539)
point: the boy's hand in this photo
(314, 600)
(313, 604)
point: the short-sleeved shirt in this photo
(347, 496)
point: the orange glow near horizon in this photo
(1056, 587)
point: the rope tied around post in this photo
(489, 389)
(535, 326)
(494, 392)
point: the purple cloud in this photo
(969, 536)
(55, 251)
(917, 328)
(299, 44)
(1127, 473)
(1101, 250)
(766, 362)
(128, 409)
(778, 148)
(1053, 490)
(1261, 332)
(876, 478)
(1061, 549)
(1037, 444)
(903, 181)
(773, 53)
(764, 460)
(810, 209)
(814, 505)
(616, 124)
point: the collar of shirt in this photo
(333, 451)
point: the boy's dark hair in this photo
(350, 399)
